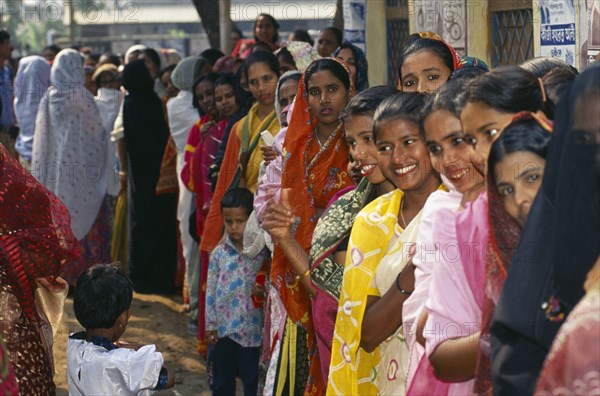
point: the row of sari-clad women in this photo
(439, 269)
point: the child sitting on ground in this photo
(96, 363)
(233, 321)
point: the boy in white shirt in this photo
(96, 363)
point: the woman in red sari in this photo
(35, 242)
(315, 158)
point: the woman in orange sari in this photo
(315, 158)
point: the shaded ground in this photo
(154, 320)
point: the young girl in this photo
(315, 156)
(517, 161)
(379, 249)
(356, 60)
(426, 62)
(329, 241)
(492, 100)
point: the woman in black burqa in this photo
(559, 244)
(152, 217)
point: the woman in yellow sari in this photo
(380, 248)
(242, 157)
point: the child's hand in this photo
(211, 337)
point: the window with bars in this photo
(513, 36)
(397, 31)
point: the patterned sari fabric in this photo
(573, 363)
(8, 382)
(352, 370)
(35, 242)
(315, 174)
(327, 274)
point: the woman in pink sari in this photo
(456, 294)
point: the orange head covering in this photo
(315, 174)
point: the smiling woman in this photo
(368, 334)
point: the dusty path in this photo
(154, 320)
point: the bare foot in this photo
(184, 308)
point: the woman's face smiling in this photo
(423, 71)
(262, 82)
(482, 126)
(327, 97)
(359, 137)
(450, 153)
(403, 157)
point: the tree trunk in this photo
(338, 19)
(208, 10)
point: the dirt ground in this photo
(154, 320)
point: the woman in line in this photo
(69, 158)
(242, 159)
(266, 32)
(450, 155)
(330, 239)
(152, 233)
(33, 78)
(315, 153)
(35, 243)
(182, 112)
(516, 170)
(456, 292)
(356, 60)
(108, 100)
(208, 133)
(204, 102)
(380, 245)
(558, 246)
(269, 186)
(426, 63)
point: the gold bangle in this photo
(304, 275)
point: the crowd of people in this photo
(440, 237)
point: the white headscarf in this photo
(31, 83)
(133, 48)
(187, 71)
(108, 101)
(182, 114)
(69, 148)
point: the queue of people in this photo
(435, 238)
